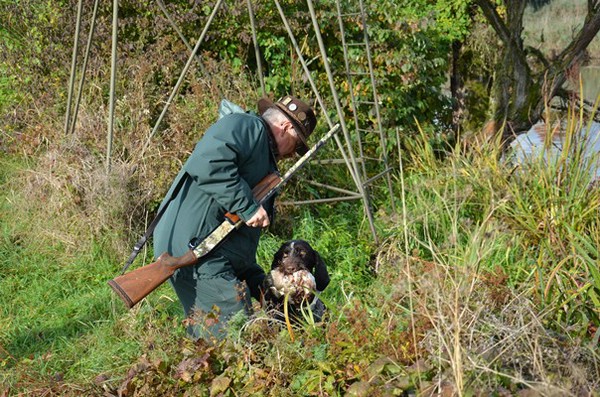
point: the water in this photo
(534, 144)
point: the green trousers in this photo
(215, 290)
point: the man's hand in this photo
(259, 219)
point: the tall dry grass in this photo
(469, 246)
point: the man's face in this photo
(287, 140)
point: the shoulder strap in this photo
(142, 241)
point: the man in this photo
(234, 154)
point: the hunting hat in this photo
(299, 113)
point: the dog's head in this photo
(297, 255)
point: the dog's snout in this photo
(291, 264)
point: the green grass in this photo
(60, 318)
(475, 258)
(62, 321)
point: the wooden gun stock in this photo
(134, 286)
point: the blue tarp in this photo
(549, 142)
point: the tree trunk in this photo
(457, 89)
(511, 89)
(518, 97)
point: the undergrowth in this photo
(484, 282)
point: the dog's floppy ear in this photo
(277, 257)
(321, 273)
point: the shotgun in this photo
(134, 286)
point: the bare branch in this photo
(574, 52)
(585, 36)
(539, 55)
(503, 30)
(489, 10)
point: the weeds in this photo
(554, 207)
(459, 312)
(489, 284)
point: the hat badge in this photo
(293, 107)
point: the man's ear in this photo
(321, 273)
(280, 127)
(285, 125)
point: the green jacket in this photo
(231, 158)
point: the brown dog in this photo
(297, 270)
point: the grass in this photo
(64, 323)
(486, 280)
(6, 93)
(466, 292)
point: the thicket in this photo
(485, 280)
(410, 63)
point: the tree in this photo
(522, 89)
